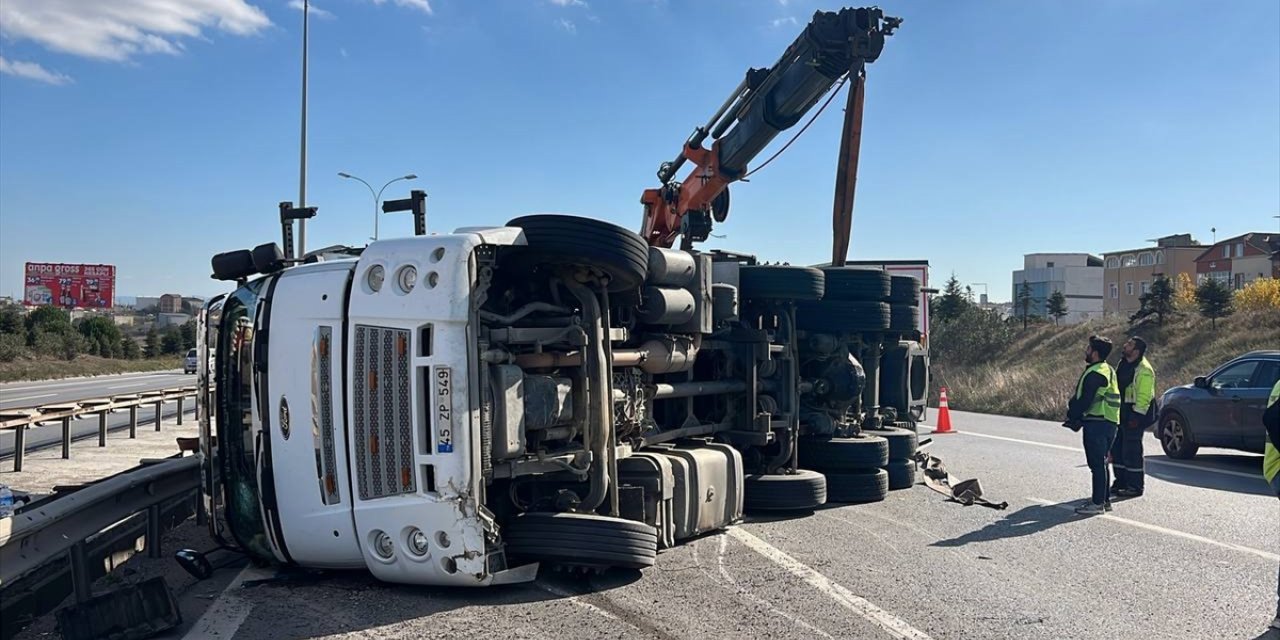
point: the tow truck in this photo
(460, 409)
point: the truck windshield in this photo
(237, 435)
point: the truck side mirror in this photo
(1202, 382)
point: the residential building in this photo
(1240, 260)
(146, 303)
(1129, 273)
(1077, 275)
(170, 303)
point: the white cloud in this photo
(569, 3)
(32, 71)
(118, 30)
(312, 9)
(421, 5)
(567, 25)
(782, 22)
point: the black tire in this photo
(841, 316)
(582, 540)
(780, 282)
(559, 240)
(904, 290)
(854, 283)
(868, 485)
(904, 318)
(1175, 436)
(843, 454)
(802, 491)
(902, 474)
(902, 442)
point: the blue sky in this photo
(151, 135)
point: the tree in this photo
(1262, 294)
(129, 348)
(101, 335)
(188, 331)
(1057, 306)
(1184, 294)
(1024, 302)
(1158, 302)
(952, 303)
(11, 319)
(1214, 298)
(47, 320)
(151, 348)
(171, 342)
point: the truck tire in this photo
(902, 474)
(854, 283)
(559, 240)
(840, 316)
(902, 442)
(780, 282)
(904, 317)
(582, 540)
(802, 491)
(867, 485)
(904, 290)
(844, 454)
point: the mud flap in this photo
(966, 492)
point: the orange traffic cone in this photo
(944, 415)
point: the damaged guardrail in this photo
(19, 420)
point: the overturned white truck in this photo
(459, 409)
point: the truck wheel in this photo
(839, 316)
(902, 474)
(904, 290)
(561, 240)
(800, 491)
(843, 454)
(902, 442)
(854, 283)
(776, 282)
(581, 540)
(904, 317)
(868, 485)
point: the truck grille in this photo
(383, 423)
(322, 413)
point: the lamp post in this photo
(377, 195)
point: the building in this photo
(166, 320)
(1129, 273)
(170, 303)
(192, 304)
(1240, 260)
(146, 303)
(1077, 275)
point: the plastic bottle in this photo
(6, 501)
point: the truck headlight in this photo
(417, 542)
(375, 276)
(382, 545)
(407, 277)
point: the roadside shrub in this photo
(1262, 294)
(12, 347)
(975, 336)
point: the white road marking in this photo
(25, 398)
(1266, 555)
(745, 591)
(1167, 463)
(223, 618)
(557, 591)
(90, 382)
(891, 624)
(126, 386)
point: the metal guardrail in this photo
(19, 420)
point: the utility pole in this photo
(302, 162)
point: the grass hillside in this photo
(44, 368)
(1033, 373)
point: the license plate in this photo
(443, 400)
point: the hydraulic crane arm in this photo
(766, 103)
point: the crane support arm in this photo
(767, 102)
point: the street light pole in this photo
(377, 196)
(302, 163)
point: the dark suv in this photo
(1222, 409)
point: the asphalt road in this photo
(30, 394)
(1195, 558)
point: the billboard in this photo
(83, 286)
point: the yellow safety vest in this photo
(1271, 457)
(1106, 404)
(1142, 390)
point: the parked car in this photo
(190, 362)
(1222, 409)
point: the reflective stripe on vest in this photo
(1271, 456)
(1142, 391)
(1106, 404)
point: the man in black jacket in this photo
(1095, 407)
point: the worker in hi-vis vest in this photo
(1137, 379)
(1095, 407)
(1271, 463)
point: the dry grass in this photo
(50, 369)
(1033, 377)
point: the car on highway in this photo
(1221, 409)
(189, 363)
